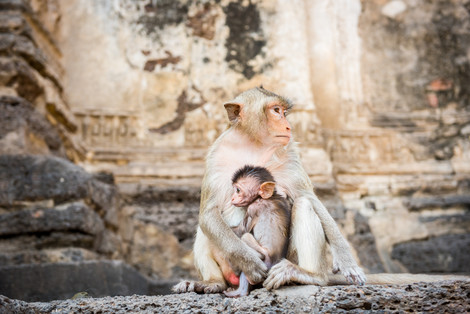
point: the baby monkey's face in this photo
(245, 191)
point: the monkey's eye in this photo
(238, 190)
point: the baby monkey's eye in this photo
(277, 109)
(238, 190)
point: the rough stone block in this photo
(171, 209)
(19, 117)
(63, 255)
(364, 243)
(17, 74)
(45, 282)
(32, 178)
(41, 241)
(442, 254)
(73, 218)
(445, 201)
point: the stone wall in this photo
(415, 187)
(37, 134)
(35, 118)
(133, 90)
(55, 218)
(381, 108)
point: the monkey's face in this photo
(278, 128)
(245, 191)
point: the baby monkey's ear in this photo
(266, 190)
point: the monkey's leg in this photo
(230, 277)
(212, 277)
(249, 239)
(342, 257)
(308, 240)
(243, 288)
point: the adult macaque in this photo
(265, 227)
(260, 135)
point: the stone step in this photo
(34, 178)
(38, 256)
(58, 281)
(75, 217)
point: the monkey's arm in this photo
(342, 257)
(306, 200)
(249, 239)
(249, 222)
(239, 230)
(341, 252)
(241, 257)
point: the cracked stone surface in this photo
(441, 297)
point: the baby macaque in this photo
(265, 227)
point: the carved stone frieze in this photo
(110, 130)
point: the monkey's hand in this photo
(245, 259)
(353, 273)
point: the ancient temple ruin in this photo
(108, 108)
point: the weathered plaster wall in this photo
(415, 73)
(135, 89)
(147, 79)
(381, 105)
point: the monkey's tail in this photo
(402, 278)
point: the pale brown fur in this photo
(248, 143)
(265, 227)
(251, 139)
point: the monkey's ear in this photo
(266, 190)
(233, 111)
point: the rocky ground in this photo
(440, 297)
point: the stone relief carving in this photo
(367, 147)
(101, 129)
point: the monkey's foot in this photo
(353, 274)
(286, 272)
(348, 268)
(183, 287)
(212, 287)
(206, 287)
(235, 293)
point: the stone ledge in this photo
(34, 178)
(75, 217)
(54, 281)
(445, 296)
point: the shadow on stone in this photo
(58, 281)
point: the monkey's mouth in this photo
(283, 136)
